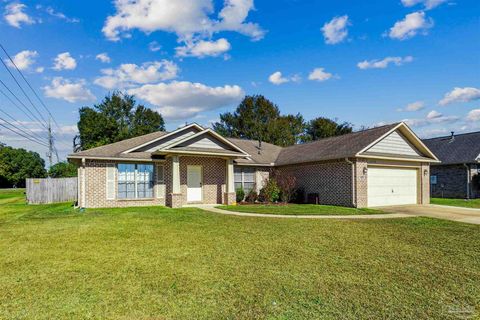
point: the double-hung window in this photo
(135, 181)
(244, 178)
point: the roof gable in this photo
(164, 140)
(394, 143)
(205, 140)
(391, 144)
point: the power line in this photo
(21, 89)
(31, 88)
(25, 135)
(21, 102)
(32, 134)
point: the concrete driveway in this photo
(441, 212)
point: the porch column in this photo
(175, 175)
(230, 180)
(174, 199)
(230, 196)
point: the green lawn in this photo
(159, 263)
(473, 203)
(299, 209)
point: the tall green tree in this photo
(116, 118)
(320, 128)
(62, 170)
(258, 118)
(18, 164)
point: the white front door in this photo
(194, 183)
(391, 186)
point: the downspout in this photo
(84, 183)
(468, 180)
(354, 178)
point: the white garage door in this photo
(391, 186)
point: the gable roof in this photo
(117, 149)
(338, 147)
(248, 152)
(463, 148)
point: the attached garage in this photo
(389, 186)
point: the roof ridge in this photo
(455, 135)
(344, 135)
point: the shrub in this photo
(252, 196)
(240, 194)
(270, 192)
(287, 184)
(299, 196)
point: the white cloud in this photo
(411, 25)
(188, 19)
(277, 78)
(203, 48)
(24, 59)
(103, 57)
(414, 106)
(154, 46)
(466, 94)
(382, 64)
(429, 4)
(182, 99)
(61, 15)
(433, 115)
(129, 74)
(39, 69)
(335, 31)
(319, 74)
(15, 16)
(64, 61)
(474, 115)
(71, 91)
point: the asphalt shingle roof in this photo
(463, 148)
(344, 146)
(325, 149)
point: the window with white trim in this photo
(244, 177)
(135, 181)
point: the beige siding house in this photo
(386, 165)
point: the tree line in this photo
(118, 117)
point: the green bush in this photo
(252, 196)
(240, 194)
(271, 191)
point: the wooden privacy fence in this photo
(51, 190)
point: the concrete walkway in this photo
(283, 216)
(458, 214)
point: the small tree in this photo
(287, 184)
(63, 170)
(240, 194)
(270, 192)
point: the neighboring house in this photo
(457, 176)
(386, 165)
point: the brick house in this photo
(386, 165)
(457, 176)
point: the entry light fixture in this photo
(365, 170)
(425, 172)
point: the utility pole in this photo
(50, 143)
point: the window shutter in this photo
(160, 181)
(111, 181)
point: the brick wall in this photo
(361, 183)
(214, 172)
(331, 180)
(95, 188)
(452, 181)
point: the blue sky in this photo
(365, 62)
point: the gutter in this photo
(354, 179)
